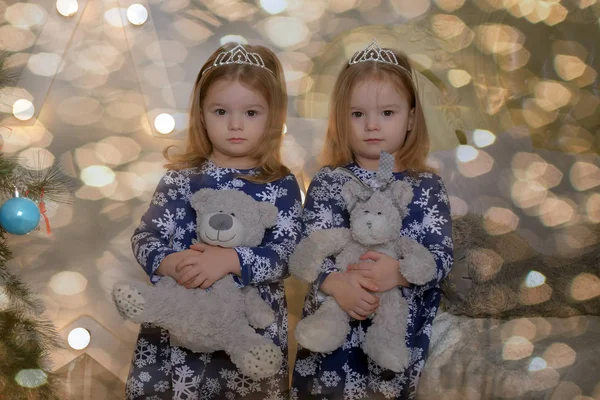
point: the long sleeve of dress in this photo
(269, 262)
(153, 240)
(429, 222)
(323, 209)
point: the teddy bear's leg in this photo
(325, 330)
(259, 313)
(385, 339)
(254, 355)
(139, 302)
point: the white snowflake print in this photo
(356, 385)
(316, 387)
(330, 378)
(180, 213)
(232, 184)
(145, 376)
(159, 199)
(321, 218)
(289, 223)
(145, 353)
(166, 226)
(415, 374)
(433, 221)
(161, 386)
(185, 383)
(307, 366)
(272, 193)
(172, 193)
(210, 388)
(134, 388)
(239, 383)
(177, 355)
(357, 337)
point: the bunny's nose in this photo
(221, 222)
(369, 225)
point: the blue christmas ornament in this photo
(19, 215)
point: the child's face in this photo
(235, 118)
(380, 118)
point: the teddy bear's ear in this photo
(350, 192)
(402, 194)
(268, 214)
(199, 199)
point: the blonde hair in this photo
(337, 150)
(270, 84)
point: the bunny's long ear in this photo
(402, 194)
(352, 192)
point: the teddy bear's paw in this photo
(129, 301)
(393, 357)
(262, 361)
(261, 319)
(321, 336)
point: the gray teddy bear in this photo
(375, 223)
(221, 317)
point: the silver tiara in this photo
(238, 55)
(375, 53)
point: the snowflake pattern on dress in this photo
(162, 371)
(428, 222)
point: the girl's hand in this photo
(168, 265)
(206, 265)
(384, 271)
(349, 293)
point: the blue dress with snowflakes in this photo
(347, 373)
(161, 371)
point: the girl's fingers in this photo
(359, 267)
(369, 298)
(368, 284)
(355, 315)
(207, 283)
(198, 247)
(367, 307)
(190, 275)
(371, 255)
(199, 281)
(361, 311)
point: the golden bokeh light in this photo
(458, 77)
(67, 8)
(274, 6)
(559, 355)
(585, 287)
(68, 283)
(584, 176)
(23, 109)
(97, 176)
(24, 15)
(137, 14)
(517, 348)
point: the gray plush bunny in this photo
(375, 223)
(222, 317)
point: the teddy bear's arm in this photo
(417, 264)
(306, 260)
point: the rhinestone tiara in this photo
(238, 55)
(375, 53)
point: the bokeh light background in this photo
(511, 91)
